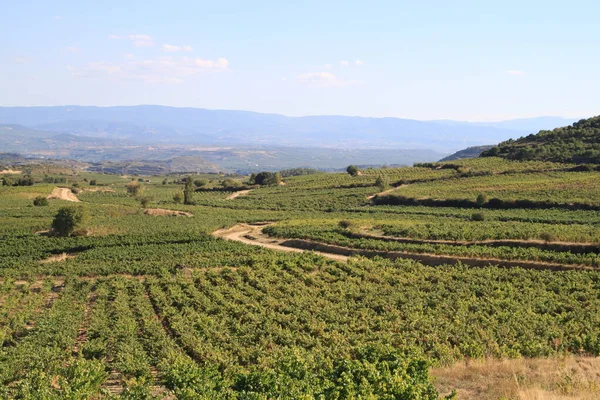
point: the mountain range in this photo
(149, 124)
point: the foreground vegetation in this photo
(141, 305)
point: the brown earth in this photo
(63, 194)
(160, 212)
(9, 171)
(57, 258)
(237, 194)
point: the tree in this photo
(145, 200)
(188, 191)
(40, 201)
(134, 188)
(67, 219)
(382, 182)
(352, 170)
(93, 182)
(200, 182)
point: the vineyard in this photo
(140, 305)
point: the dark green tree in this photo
(67, 219)
(188, 191)
(352, 170)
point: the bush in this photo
(40, 201)
(67, 219)
(178, 197)
(477, 217)
(200, 182)
(345, 224)
(382, 183)
(144, 201)
(352, 170)
(547, 237)
(93, 182)
(481, 199)
(134, 188)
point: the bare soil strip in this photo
(160, 212)
(237, 194)
(252, 234)
(574, 378)
(385, 192)
(63, 194)
(57, 258)
(9, 171)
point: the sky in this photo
(461, 60)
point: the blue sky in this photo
(467, 60)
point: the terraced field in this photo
(140, 304)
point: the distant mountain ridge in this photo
(150, 124)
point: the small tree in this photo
(40, 201)
(382, 183)
(352, 170)
(200, 182)
(178, 197)
(188, 191)
(277, 178)
(67, 219)
(93, 182)
(477, 216)
(481, 200)
(134, 188)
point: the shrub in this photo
(547, 237)
(188, 191)
(477, 217)
(40, 201)
(352, 170)
(134, 188)
(382, 183)
(481, 199)
(67, 219)
(144, 201)
(93, 182)
(345, 224)
(200, 182)
(178, 197)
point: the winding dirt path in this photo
(237, 194)
(63, 194)
(371, 197)
(253, 235)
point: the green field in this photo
(142, 306)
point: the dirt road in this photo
(253, 235)
(237, 194)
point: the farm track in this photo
(253, 235)
(238, 194)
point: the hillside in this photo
(469, 152)
(577, 143)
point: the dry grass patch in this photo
(57, 258)
(573, 378)
(159, 212)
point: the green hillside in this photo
(578, 143)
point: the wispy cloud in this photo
(324, 79)
(137, 39)
(344, 63)
(173, 49)
(73, 49)
(359, 62)
(515, 72)
(157, 70)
